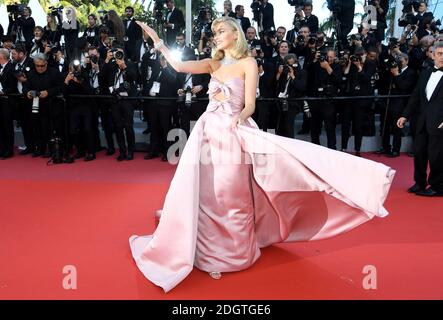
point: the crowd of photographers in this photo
(113, 59)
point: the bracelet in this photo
(159, 44)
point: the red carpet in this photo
(83, 214)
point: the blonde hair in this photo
(241, 46)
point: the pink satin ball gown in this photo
(238, 190)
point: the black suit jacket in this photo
(8, 80)
(134, 33)
(245, 23)
(402, 84)
(135, 57)
(311, 22)
(178, 21)
(268, 16)
(429, 113)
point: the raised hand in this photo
(151, 32)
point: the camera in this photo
(259, 61)
(94, 59)
(34, 94)
(15, 9)
(119, 55)
(299, 3)
(255, 7)
(188, 97)
(355, 58)
(300, 39)
(55, 11)
(312, 40)
(323, 56)
(355, 37)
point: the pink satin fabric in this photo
(237, 190)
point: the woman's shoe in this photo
(215, 275)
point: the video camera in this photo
(408, 17)
(15, 9)
(56, 11)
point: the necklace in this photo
(226, 61)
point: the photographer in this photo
(359, 73)
(80, 111)
(227, 9)
(184, 52)
(240, 17)
(160, 112)
(202, 27)
(53, 30)
(42, 86)
(36, 45)
(133, 32)
(22, 66)
(403, 80)
(70, 30)
(205, 45)
(381, 8)
(269, 44)
(21, 24)
(99, 107)
(251, 39)
(325, 77)
(300, 44)
(174, 22)
(8, 85)
(191, 87)
(291, 83)
(92, 32)
(303, 16)
(122, 76)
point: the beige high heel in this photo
(215, 275)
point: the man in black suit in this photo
(160, 112)
(174, 22)
(403, 82)
(133, 32)
(310, 20)
(267, 11)
(427, 102)
(23, 27)
(22, 66)
(240, 17)
(8, 84)
(122, 76)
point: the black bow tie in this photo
(435, 69)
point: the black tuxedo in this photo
(177, 19)
(24, 105)
(136, 56)
(402, 84)
(26, 26)
(8, 85)
(133, 34)
(428, 142)
(244, 22)
(311, 22)
(268, 16)
(92, 35)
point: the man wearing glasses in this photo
(43, 84)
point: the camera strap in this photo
(118, 79)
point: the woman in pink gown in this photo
(237, 189)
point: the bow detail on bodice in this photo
(216, 87)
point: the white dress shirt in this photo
(432, 83)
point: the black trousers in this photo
(102, 111)
(353, 111)
(323, 111)
(80, 124)
(391, 127)
(428, 148)
(123, 116)
(192, 113)
(285, 125)
(160, 117)
(24, 116)
(6, 125)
